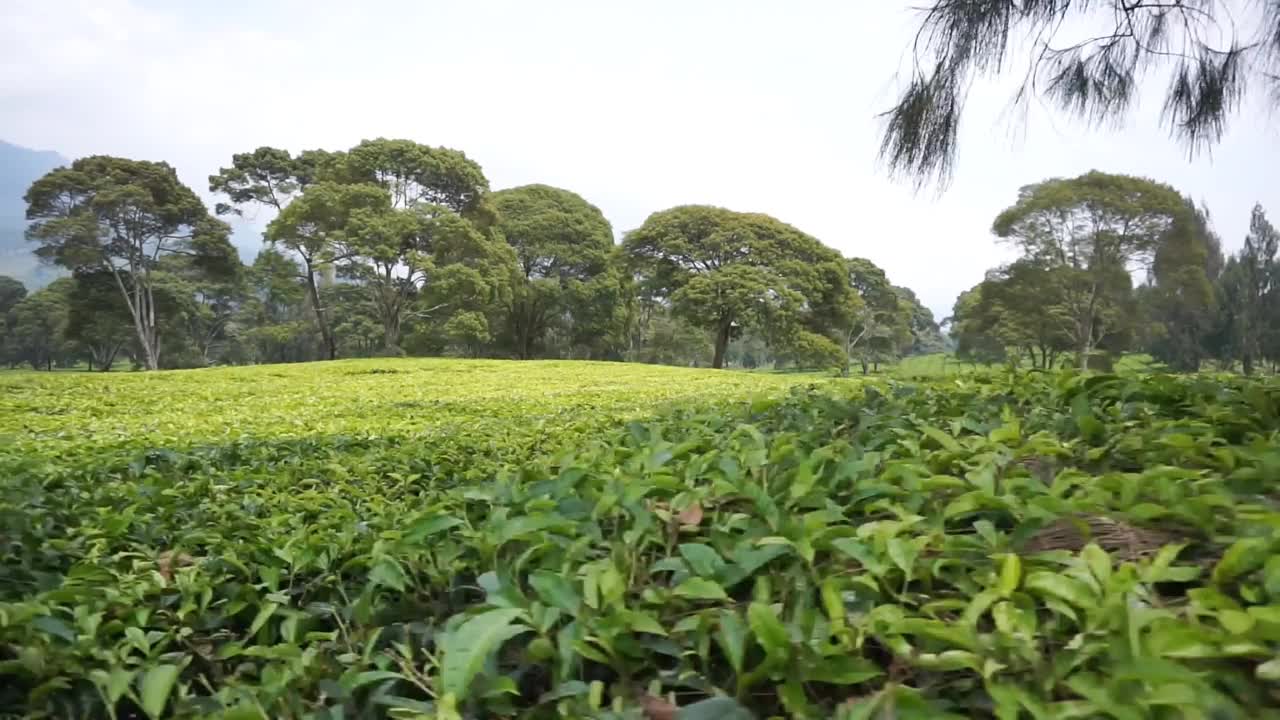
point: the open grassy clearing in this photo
(450, 539)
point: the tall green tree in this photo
(926, 337)
(724, 270)
(1179, 303)
(1213, 50)
(272, 178)
(564, 255)
(1093, 231)
(38, 325)
(414, 174)
(429, 252)
(972, 329)
(123, 216)
(12, 292)
(97, 318)
(1027, 307)
(275, 323)
(313, 227)
(1251, 289)
(423, 262)
(880, 324)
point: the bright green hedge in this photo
(869, 550)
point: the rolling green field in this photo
(481, 539)
(502, 404)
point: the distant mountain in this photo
(19, 167)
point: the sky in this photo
(760, 106)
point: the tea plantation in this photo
(484, 539)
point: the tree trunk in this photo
(1247, 362)
(1085, 344)
(391, 333)
(722, 343)
(326, 334)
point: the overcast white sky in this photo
(762, 106)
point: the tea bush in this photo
(580, 540)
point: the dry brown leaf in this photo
(168, 560)
(691, 515)
(656, 708)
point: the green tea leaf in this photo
(769, 631)
(1010, 574)
(556, 590)
(703, 560)
(731, 634)
(842, 670)
(468, 646)
(1061, 587)
(700, 589)
(719, 708)
(154, 688)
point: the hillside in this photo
(19, 167)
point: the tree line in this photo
(394, 247)
(1111, 263)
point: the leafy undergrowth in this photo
(1014, 546)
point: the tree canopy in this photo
(1089, 233)
(724, 270)
(568, 283)
(122, 216)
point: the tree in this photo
(11, 293)
(1092, 231)
(210, 305)
(1251, 288)
(881, 322)
(971, 328)
(123, 216)
(564, 250)
(414, 174)
(723, 270)
(429, 245)
(313, 228)
(1094, 75)
(97, 317)
(424, 261)
(1026, 306)
(38, 324)
(272, 322)
(273, 178)
(1179, 302)
(926, 337)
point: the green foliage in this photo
(35, 326)
(467, 539)
(724, 270)
(124, 217)
(880, 328)
(11, 293)
(97, 317)
(1250, 287)
(1086, 235)
(568, 285)
(1180, 302)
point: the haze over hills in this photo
(19, 167)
